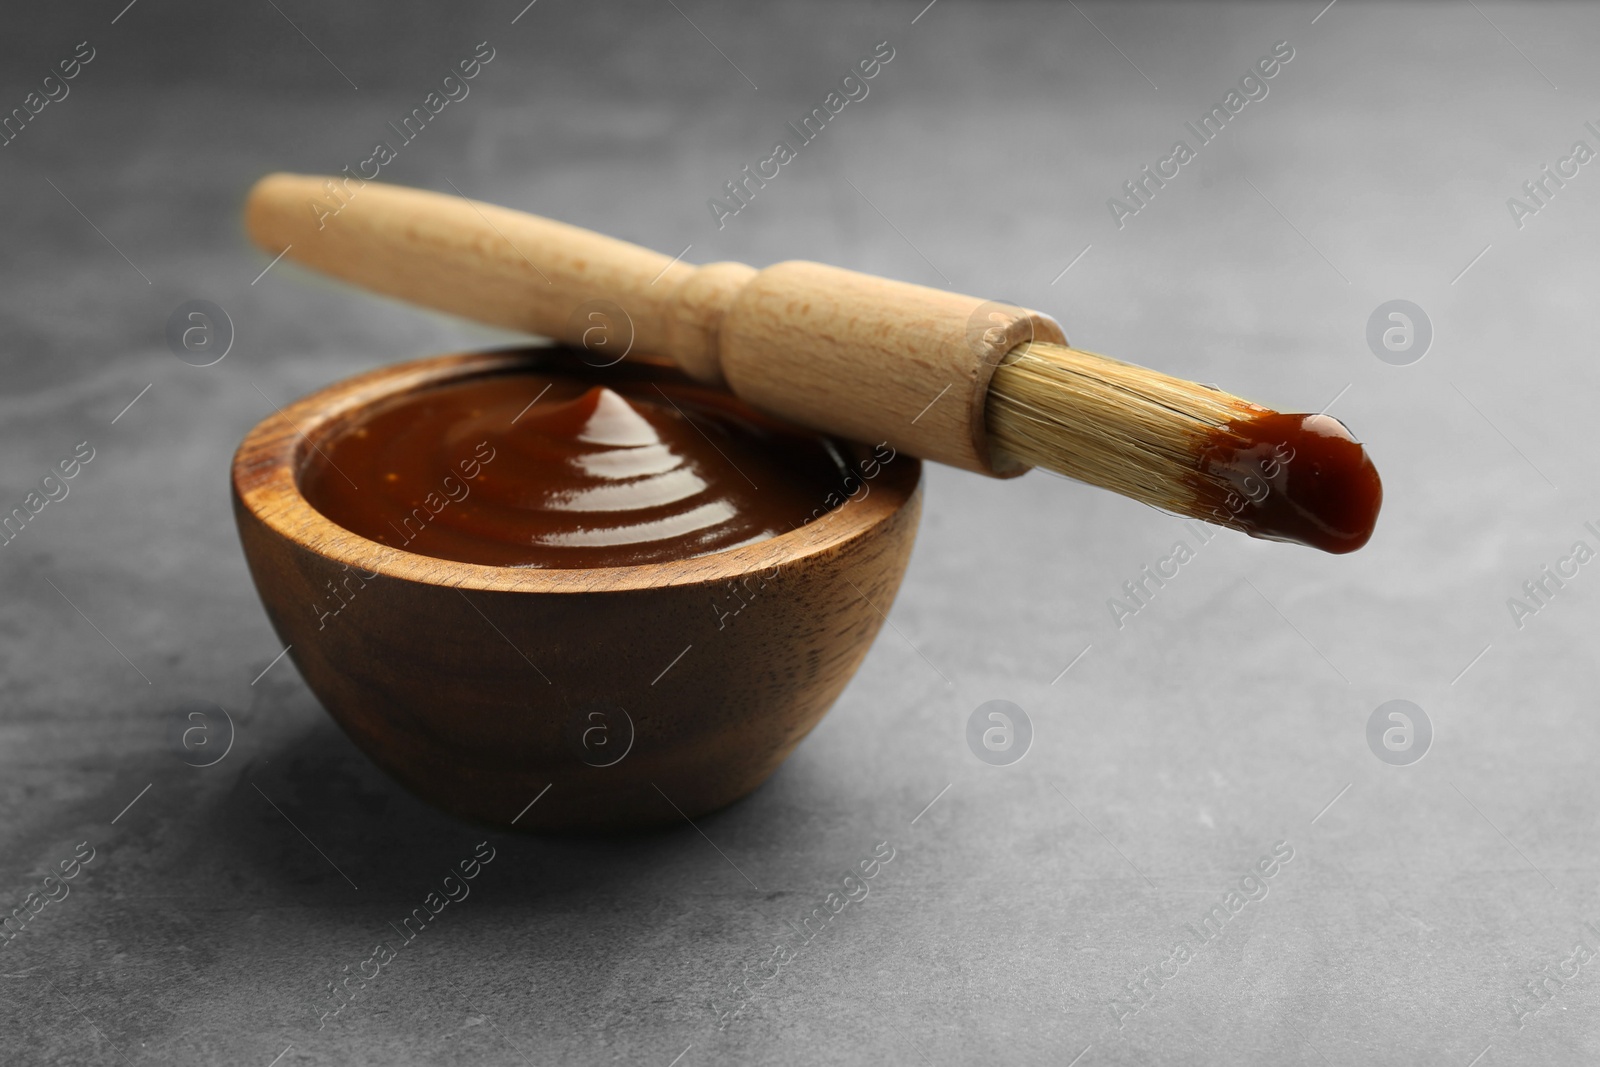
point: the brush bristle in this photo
(1184, 447)
(1125, 428)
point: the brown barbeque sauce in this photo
(548, 470)
(1299, 478)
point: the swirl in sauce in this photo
(535, 470)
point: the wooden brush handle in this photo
(841, 352)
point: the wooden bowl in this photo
(614, 697)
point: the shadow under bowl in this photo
(575, 699)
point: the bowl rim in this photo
(265, 483)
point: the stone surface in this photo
(1226, 716)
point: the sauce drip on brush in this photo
(533, 470)
(1297, 478)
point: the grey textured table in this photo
(1028, 909)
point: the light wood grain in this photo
(842, 352)
(872, 359)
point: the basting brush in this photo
(981, 385)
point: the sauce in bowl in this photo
(552, 470)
